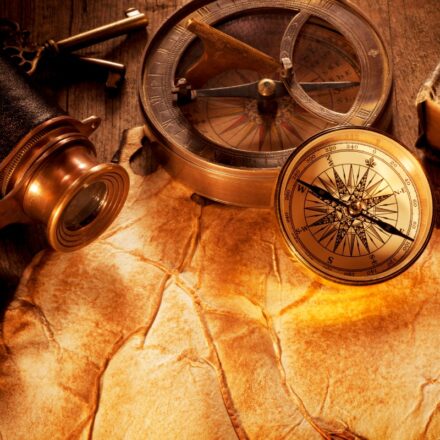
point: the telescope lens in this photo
(84, 206)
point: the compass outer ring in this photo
(427, 202)
(377, 54)
(248, 186)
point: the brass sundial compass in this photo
(231, 88)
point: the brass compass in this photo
(354, 205)
(230, 89)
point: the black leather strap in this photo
(22, 107)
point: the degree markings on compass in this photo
(156, 68)
(155, 75)
(166, 123)
(180, 30)
(155, 100)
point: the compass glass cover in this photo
(355, 206)
(321, 55)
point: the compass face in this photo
(322, 55)
(355, 206)
(336, 227)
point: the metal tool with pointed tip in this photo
(27, 54)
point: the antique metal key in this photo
(28, 54)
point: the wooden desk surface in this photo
(410, 30)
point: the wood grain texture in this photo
(410, 30)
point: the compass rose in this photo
(354, 206)
(351, 210)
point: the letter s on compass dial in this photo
(355, 206)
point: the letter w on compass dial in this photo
(351, 210)
(244, 104)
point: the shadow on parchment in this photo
(19, 245)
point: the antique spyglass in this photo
(49, 172)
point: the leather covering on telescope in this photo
(22, 107)
(190, 321)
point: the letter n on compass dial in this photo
(351, 211)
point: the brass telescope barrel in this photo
(49, 172)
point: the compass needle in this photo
(387, 227)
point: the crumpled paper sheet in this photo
(191, 322)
